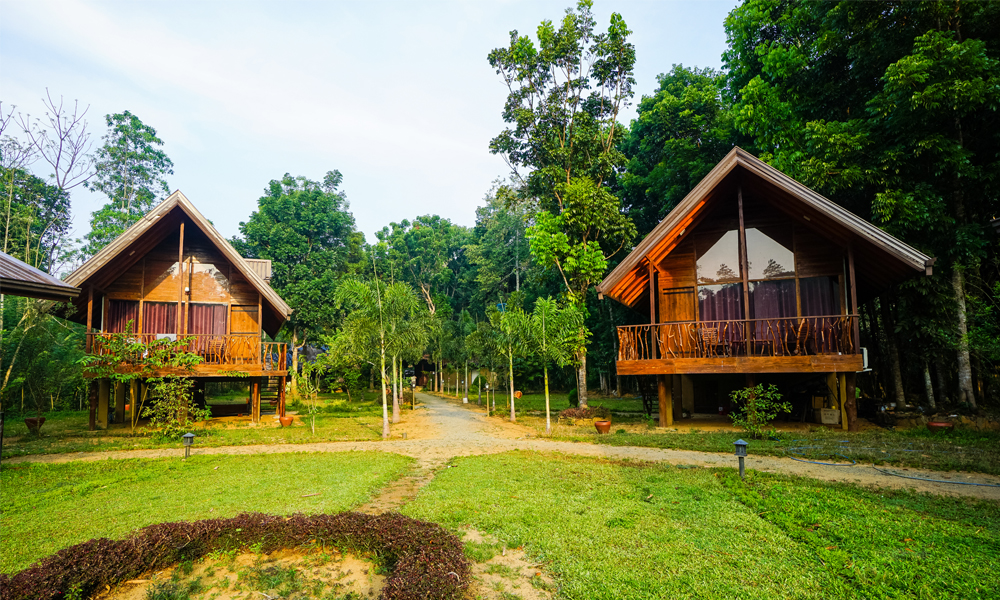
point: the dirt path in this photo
(446, 430)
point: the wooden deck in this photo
(823, 344)
(222, 355)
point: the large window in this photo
(159, 317)
(120, 314)
(207, 319)
(820, 296)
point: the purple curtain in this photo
(207, 319)
(120, 312)
(820, 296)
(720, 302)
(159, 317)
(772, 299)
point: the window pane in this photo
(720, 302)
(120, 314)
(159, 317)
(767, 258)
(721, 262)
(772, 299)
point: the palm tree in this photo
(377, 310)
(553, 335)
(510, 328)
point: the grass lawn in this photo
(962, 450)
(48, 507)
(629, 530)
(337, 420)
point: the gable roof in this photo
(21, 279)
(150, 230)
(880, 258)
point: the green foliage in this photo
(172, 410)
(574, 397)
(757, 406)
(129, 169)
(35, 217)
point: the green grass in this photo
(66, 431)
(962, 450)
(621, 530)
(46, 507)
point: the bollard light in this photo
(741, 452)
(188, 440)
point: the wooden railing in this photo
(792, 336)
(223, 350)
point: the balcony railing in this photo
(791, 336)
(234, 350)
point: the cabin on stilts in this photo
(173, 276)
(752, 276)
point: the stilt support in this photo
(665, 392)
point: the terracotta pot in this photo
(603, 426)
(34, 424)
(940, 425)
(128, 408)
(285, 421)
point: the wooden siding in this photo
(742, 364)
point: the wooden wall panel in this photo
(815, 256)
(161, 280)
(128, 285)
(241, 291)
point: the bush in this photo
(423, 559)
(592, 412)
(756, 407)
(574, 397)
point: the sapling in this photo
(757, 407)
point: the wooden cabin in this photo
(172, 275)
(753, 273)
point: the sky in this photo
(397, 96)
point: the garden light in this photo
(188, 440)
(741, 452)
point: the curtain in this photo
(820, 296)
(774, 301)
(207, 319)
(720, 302)
(159, 317)
(120, 312)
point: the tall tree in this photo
(890, 109)
(500, 252)
(130, 169)
(552, 335)
(682, 131)
(304, 228)
(562, 143)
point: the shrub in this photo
(756, 407)
(423, 559)
(592, 412)
(574, 397)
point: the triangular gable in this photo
(628, 281)
(145, 226)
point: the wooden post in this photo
(666, 407)
(90, 317)
(255, 401)
(852, 401)
(121, 398)
(744, 272)
(842, 388)
(181, 326)
(854, 302)
(652, 311)
(281, 396)
(103, 394)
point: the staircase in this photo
(269, 394)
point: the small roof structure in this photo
(21, 279)
(118, 256)
(880, 258)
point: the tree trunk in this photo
(929, 386)
(965, 391)
(465, 386)
(295, 363)
(395, 394)
(890, 338)
(385, 405)
(510, 376)
(548, 421)
(942, 381)
(581, 377)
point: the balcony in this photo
(783, 345)
(220, 354)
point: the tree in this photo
(552, 335)
(130, 169)
(375, 308)
(682, 131)
(510, 327)
(562, 144)
(500, 253)
(304, 228)
(891, 110)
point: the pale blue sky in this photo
(398, 96)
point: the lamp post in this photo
(741, 452)
(188, 440)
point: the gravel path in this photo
(448, 430)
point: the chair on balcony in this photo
(712, 344)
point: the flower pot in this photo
(34, 424)
(285, 421)
(128, 408)
(940, 425)
(603, 426)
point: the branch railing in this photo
(223, 350)
(787, 336)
